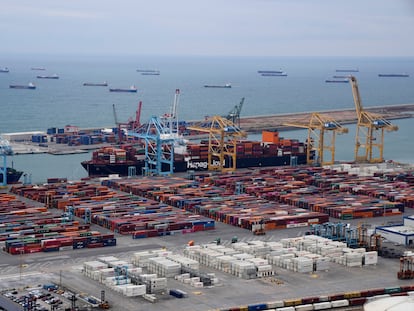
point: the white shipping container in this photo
(275, 304)
(371, 258)
(340, 303)
(307, 307)
(322, 305)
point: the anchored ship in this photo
(54, 76)
(29, 86)
(394, 75)
(223, 86)
(132, 89)
(95, 84)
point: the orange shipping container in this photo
(270, 137)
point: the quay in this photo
(257, 124)
(251, 125)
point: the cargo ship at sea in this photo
(222, 86)
(13, 176)
(54, 76)
(131, 89)
(268, 152)
(29, 86)
(393, 75)
(95, 84)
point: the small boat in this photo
(29, 86)
(336, 80)
(274, 74)
(95, 84)
(270, 71)
(4, 69)
(148, 70)
(54, 76)
(37, 68)
(132, 89)
(224, 86)
(394, 75)
(348, 70)
(150, 73)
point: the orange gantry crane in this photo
(222, 142)
(369, 140)
(322, 131)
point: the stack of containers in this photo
(163, 267)
(117, 280)
(131, 290)
(102, 274)
(302, 264)
(243, 269)
(156, 285)
(354, 258)
(90, 267)
(185, 263)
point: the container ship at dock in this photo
(272, 151)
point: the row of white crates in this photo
(144, 258)
(195, 281)
(116, 274)
(230, 261)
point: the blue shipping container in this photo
(257, 307)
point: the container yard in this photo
(201, 241)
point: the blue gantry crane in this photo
(5, 150)
(160, 135)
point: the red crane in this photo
(131, 124)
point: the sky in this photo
(208, 27)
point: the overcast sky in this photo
(209, 27)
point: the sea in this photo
(65, 101)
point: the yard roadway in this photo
(65, 267)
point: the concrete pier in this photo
(343, 116)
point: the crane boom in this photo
(357, 97)
(234, 114)
(369, 139)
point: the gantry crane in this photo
(5, 150)
(160, 135)
(130, 125)
(222, 142)
(234, 114)
(321, 138)
(369, 140)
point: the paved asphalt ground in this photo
(64, 268)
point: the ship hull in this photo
(95, 84)
(22, 87)
(104, 169)
(13, 176)
(123, 90)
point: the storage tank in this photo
(397, 303)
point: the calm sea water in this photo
(56, 103)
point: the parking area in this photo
(43, 297)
